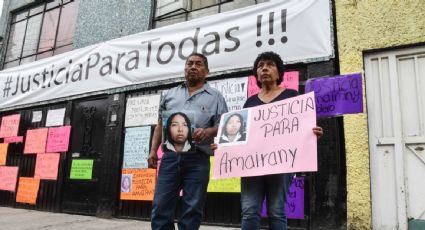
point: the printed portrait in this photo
(233, 128)
(126, 182)
(177, 131)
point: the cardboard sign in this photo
(35, 141)
(223, 185)
(3, 153)
(28, 190)
(81, 169)
(142, 184)
(337, 95)
(8, 177)
(10, 125)
(294, 205)
(58, 139)
(136, 147)
(279, 140)
(17, 139)
(55, 117)
(142, 110)
(290, 81)
(234, 91)
(46, 166)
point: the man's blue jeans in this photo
(253, 190)
(189, 172)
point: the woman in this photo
(233, 130)
(178, 132)
(268, 70)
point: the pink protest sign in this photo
(279, 139)
(290, 81)
(35, 141)
(46, 166)
(10, 125)
(17, 139)
(58, 139)
(8, 177)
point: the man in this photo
(187, 171)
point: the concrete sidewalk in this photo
(23, 219)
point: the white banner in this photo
(299, 30)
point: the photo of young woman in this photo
(233, 129)
(178, 133)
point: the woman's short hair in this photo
(241, 131)
(168, 134)
(269, 56)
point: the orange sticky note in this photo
(46, 166)
(28, 190)
(3, 153)
(36, 141)
(8, 176)
(10, 125)
(142, 184)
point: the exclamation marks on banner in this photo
(271, 41)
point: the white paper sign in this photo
(37, 116)
(55, 117)
(136, 147)
(299, 31)
(142, 110)
(234, 91)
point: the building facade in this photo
(40, 37)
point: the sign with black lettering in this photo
(299, 31)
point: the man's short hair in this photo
(204, 58)
(269, 56)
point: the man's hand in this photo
(200, 135)
(153, 160)
(318, 131)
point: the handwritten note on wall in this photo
(81, 169)
(265, 153)
(55, 117)
(234, 91)
(136, 147)
(58, 139)
(35, 141)
(337, 95)
(10, 125)
(223, 185)
(142, 110)
(46, 166)
(290, 81)
(17, 139)
(28, 190)
(142, 184)
(8, 177)
(3, 153)
(294, 205)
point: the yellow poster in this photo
(138, 184)
(223, 185)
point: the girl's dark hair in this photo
(168, 134)
(241, 131)
(269, 56)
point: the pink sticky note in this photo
(8, 177)
(46, 166)
(290, 81)
(10, 125)
(35, 141)
(58, 139)
(17, 139)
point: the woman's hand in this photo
(152, 160)
(213, 146)
(318, 131)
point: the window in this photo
(41, 31)
(168, 12)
